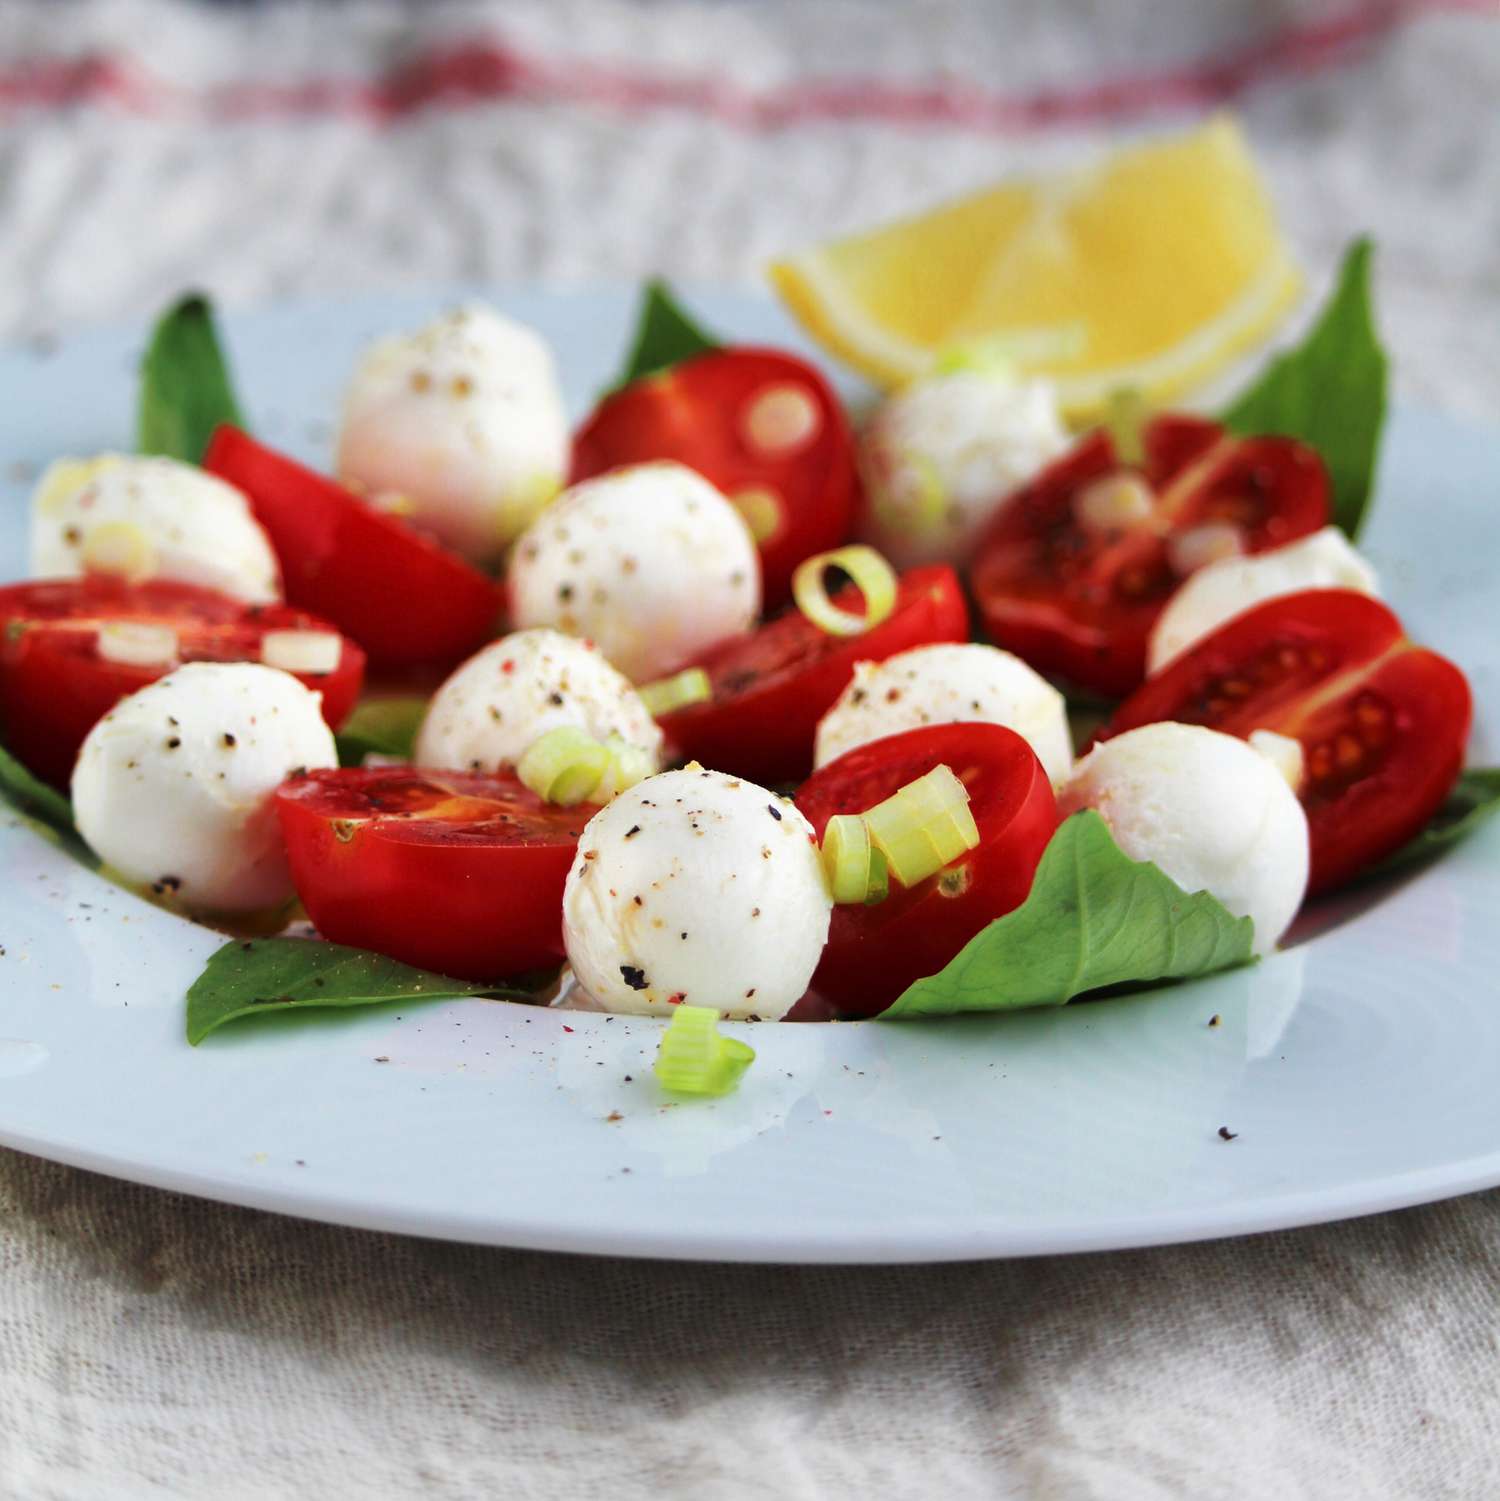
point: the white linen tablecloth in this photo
(152, 1345)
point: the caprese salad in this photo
(728, 700)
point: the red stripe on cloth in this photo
(486, 71)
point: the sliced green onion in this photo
(872, 576)
(923, 827)
(694, 1059)
(981, 357)
(564, 766)
(857, 871)
(1125, 418)
(1002, 354)
(691, 686)
(628, 764)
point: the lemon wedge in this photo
(1153, 268)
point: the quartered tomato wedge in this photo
(1073, 572)
(55, 686)
(771, 688)
(449, 870)
(408, 601)
(1382, 722)
(875, 952)
(763, 426)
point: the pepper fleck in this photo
(1215, 1020)
(634, 977)
(774, 811)
(632, 831)
(229, 741)
(1226, 1134)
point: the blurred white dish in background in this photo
(460, 427)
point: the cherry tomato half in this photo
(55, 687)
(454, 871)
(771, 688)
(1075, 588)
(1382, 722)
(875, 952)
(763, 426)
(405, 599)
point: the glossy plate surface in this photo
(1357, 1068)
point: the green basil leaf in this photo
(32, 795)
(185, 387)
(1475, 797)
(291, 974)
(387, 726)
(1094, 918)
(664, 335)
(1329, 391)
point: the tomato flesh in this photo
(408, 601)
(770, 689)
(55, 687)
(875, 952)
(453, 871)
(1382, 722)
(1079, 600)
(703, 413)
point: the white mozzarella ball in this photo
(949, 684)
(148, 518)
(1219, 591)
(459, 426)
(650, 561)
(173, 786)
(699, 887)
(941, 455)
(1213, 812)
(518, 689)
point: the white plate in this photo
(1357, 1068)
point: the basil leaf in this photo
(1475, 797)
(387, 726)
(32, 795)
(291, 974)
(185, 387)
(1094, 918)
(1329, 391)
(664, 336)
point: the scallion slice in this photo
(565, 766)
(872, 576)
(926, 825)
(690, 686)
(857, 871)
(1125, 418)
(694, 1059)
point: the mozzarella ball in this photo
(1213, 812)
(699, 887)
(459, 426)
(650, 561)
(517, 689)
(949, 685)
(941, 455)
(173, 786)
(148, 518)
(1218, 592)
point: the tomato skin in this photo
(405, 599)
(1382, 722)
(692, 413)
(764, 728)
(1080, 604)
(449, 886)
(54, 687)
(875, 952)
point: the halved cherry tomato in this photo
(454, 871)
(875, 952)
(763, 426)
(1382, 722)
(1075, 591)
(771, 688)
(408, 601)
(55, 687)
